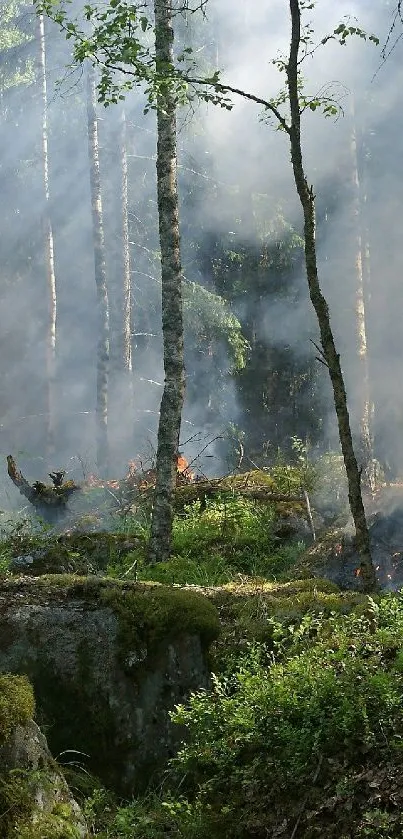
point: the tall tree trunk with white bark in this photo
(102, 447)
(49, 256)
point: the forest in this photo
(201, 472)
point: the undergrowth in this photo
(311, 728)
(213, 544)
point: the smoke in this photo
(256, 157)
(226, 158)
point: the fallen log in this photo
(201, 490)
(49, 501)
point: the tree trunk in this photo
(365, 417)
(49, 258)
(171, 275)
(319, 303)
(102, 449)
(127, 290)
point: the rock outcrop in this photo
(108, 662)
(35, 802)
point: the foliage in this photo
(117, 38)
(145, 818)
(231, 535)
(312, 726)
(16, 68)
(279, 722)
(209, 316)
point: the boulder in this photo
(35, 800)
(108, 662)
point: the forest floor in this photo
(302, 733)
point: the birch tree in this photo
(49, 254)
(360, 264)
(171, 289)
(126, 337)
(100, 278)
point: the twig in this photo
(133, 566)
(241, 455)
(309, 514)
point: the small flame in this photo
(183, 467)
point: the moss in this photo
(59, 824)
(16, 800)
(19, 817)
(154, 614)
(17, 704)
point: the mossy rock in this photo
(70, 553)
(20, 817)
(34, 799)
(17, 704)
(109, 661)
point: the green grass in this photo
(213, 545)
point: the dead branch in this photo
(49, 501)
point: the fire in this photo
(141, 478)
(183, 467)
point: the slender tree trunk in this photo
(102, 449)
(171, 273)
(319, 303)
(49, 257)
(365, 417)
(127, 289)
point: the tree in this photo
(330, 354)
(171, 289)
(100, 278)
(126, 338)
(360, 258)
(49, 254)
(163, 95)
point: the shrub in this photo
(268, 730)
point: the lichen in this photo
(17, 704)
